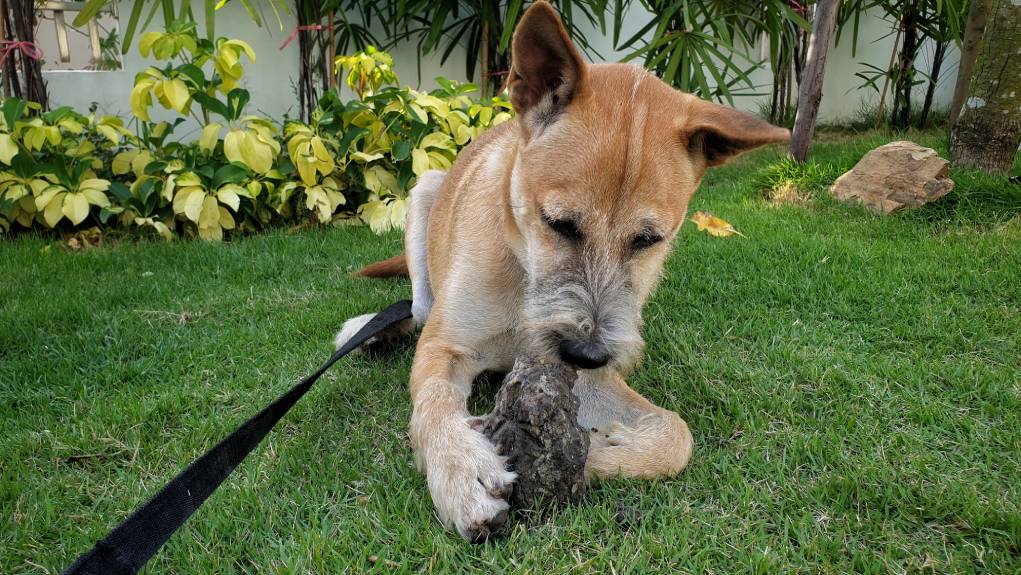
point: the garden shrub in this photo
(353, 163)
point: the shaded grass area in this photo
(852, 382)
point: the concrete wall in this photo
(272, 79)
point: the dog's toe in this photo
(498, 484)
(481, 531)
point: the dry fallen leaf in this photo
(84, 239)
(713, 225)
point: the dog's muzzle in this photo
(585, 355)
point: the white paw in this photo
(382, 341)
(469, 484)
(351, 327)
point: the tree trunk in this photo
(307, 13)
(810, 91)
(10, 70)
(889, 71)
(19, 25)
(901, 116)
(988, 131)
(484, 61)
(978, 13)
(937, 63)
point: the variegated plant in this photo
(354, 163)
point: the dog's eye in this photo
(566, 228)
(645, 240)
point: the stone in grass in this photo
(534, 424)
(895, 176)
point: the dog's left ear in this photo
(720, 133)
(547, 72)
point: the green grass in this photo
(853, 383)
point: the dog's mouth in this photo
(583, 354)
(583, 349)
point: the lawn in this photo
(853, 383)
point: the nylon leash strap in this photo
(132, 543)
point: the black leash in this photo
(132, 543)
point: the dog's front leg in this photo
(630, 436)
(467, 479)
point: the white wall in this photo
(272, 79)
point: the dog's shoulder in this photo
(484, 144)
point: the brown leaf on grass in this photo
(84, 239)
(714, 226)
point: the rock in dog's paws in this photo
(470, 484)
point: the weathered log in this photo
(534, 424)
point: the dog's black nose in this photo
(583, 355)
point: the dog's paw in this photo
(379, 343)
(469, 483)
(350, 328)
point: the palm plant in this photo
(483, 28)
(785, 26)
(703, 46)
(693, 45)
(940, 21)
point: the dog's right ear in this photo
(547, 71)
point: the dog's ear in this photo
(547, 71)
(720, 133)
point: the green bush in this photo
(352, 164)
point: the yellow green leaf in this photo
(188, 201)
(226, 220)
(159, 226)
(95, 197)
(322, 154)
(209, 214)
(499, 119)
(110, 133)
(94, 184)
(232, 146)
(437, 140)
(463, 135)
(8, 149)
(379, 180)
(419, 162)
(176, 93)
(243, 46)
(376, 214)
(146, 41)
(141, 98)
(398, 213)
(210, 135)
(317, 200)
(258, 155)
(228, 196)
(46, 196)
(76, 207)
(53, 210)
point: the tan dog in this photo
(548, 234)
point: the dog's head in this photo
(609, 157)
